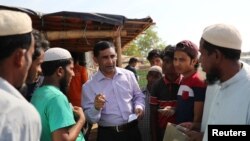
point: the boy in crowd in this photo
(163, 96)
(35, 71)
(154, 74)
(191, 94)
(154, 57)
(131, 66)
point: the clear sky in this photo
(176, 20)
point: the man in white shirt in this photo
(220, 48)
(19, 121)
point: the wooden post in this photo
(119, 48)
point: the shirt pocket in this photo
(124, 89)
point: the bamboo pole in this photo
(73, 34)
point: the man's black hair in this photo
(40, 44)
(8, 44)
(132, 60)
(49, 67)
(102, 45)
(154, 53)
(231, 54)
(168, 52)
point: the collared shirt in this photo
(231, 103)
(16, 122)
(164, 93)
(192, 89)
(128, 67)
(122, 93)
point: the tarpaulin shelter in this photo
(78, 32)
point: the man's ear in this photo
(95, 60)
(194, 61)
(60, 71)
(19, 57)
(218, 55)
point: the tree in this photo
(132, 50)
(145, 43)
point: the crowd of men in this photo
(36, 105)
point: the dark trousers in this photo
(160, 134)
(132, 134)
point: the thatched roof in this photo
(77, 31)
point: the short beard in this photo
(63, 85)
(213, 76)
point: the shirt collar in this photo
(6, 86)
(177, 81)
(237, 77)
(190, 78)
(100, 75)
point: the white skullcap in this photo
(14, 23)
(155, 68)
(223, 35)
(56, 53)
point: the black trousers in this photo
(132, 134)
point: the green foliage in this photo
(145, 43)
(133, 50)
(142, 78)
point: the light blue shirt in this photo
(122, 93)
(231, 104)
(211, 92)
